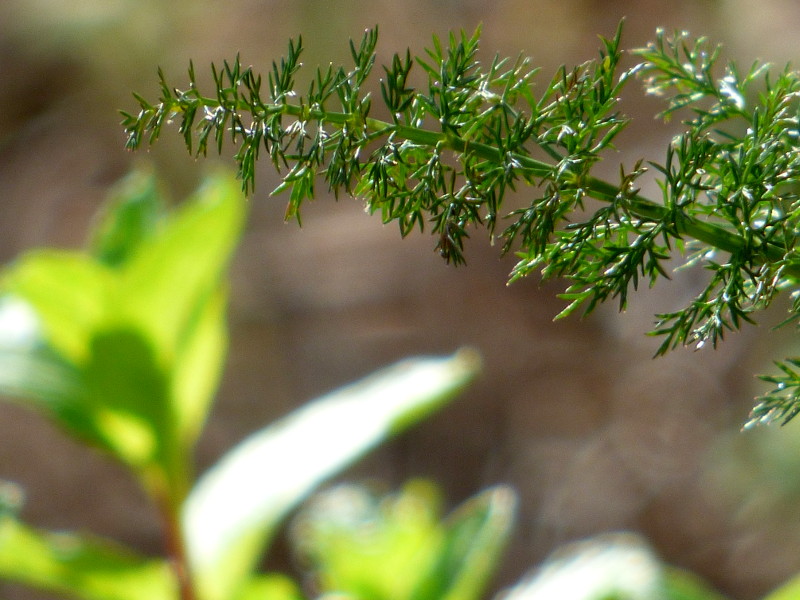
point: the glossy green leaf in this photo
(235, 507)
(80, 566)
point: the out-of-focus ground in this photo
(593, 434)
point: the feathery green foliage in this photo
(446, 155)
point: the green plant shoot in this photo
(122, 345)
(446, 154)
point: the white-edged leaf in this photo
(619, 566)
(235, 507)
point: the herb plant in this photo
(445, 155)
(122, 346)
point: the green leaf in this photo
(174, 285)
(361, 544)
(34, 373)
(175, 272)
(126, 394)
(618, 566)
(475, 537)
(80, 566)
(684, 585)
(395, 547)
(197, 369)
(788, 591)
(131, 215)
(115, 398)
(234, 509)
(272, 586)
(70, 293)
(129, 357)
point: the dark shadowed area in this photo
(593, 434)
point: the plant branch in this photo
(450, 152)
(709, 233)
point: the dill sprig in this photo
(447, 154)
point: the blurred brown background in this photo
(594, 435)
